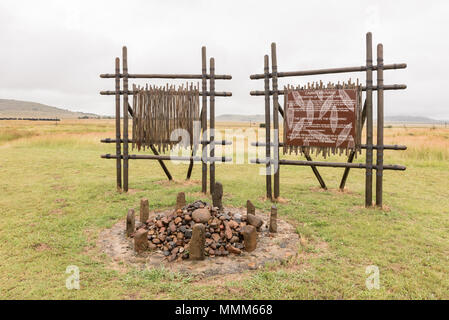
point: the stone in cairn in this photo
(201, 215)
(144, 210)
(141, 243)
(217, 196)
(130, 223)
(233, 249)
(180, 201)
(250, 208)
(178, 236)
(249, 238)
(273, 219)
(228, 230)
(215, 237)
(172, 227)
(255, 221)
(196, 245)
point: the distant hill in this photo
(411, 119)
(27, 109)
(241, 118)
(261, 118)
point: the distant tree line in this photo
(97, 117)
(32, 119)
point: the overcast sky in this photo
(52, 52)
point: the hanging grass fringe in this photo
(158, 111)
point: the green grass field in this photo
(57, 195)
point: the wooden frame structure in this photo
(367, 114)
(208, 153)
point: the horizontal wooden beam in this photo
(374, 88)
(163, 157)
(386, 147)
(208, 93)
(363, 146)
(330, 164)
(218, 142)
(109, 140)
(329, 71)
(166, 76)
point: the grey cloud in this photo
(53, 52)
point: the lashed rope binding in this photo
(158, 111)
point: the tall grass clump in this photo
(9, 134)
(426, 153)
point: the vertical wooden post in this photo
(193, 153)
(194, 149)
(125, 119)
(380, 124)
(212, 124)
(369, 121)
(118, 145)
(267, 127)
(204, 122)
(274, 75)
(189, 170)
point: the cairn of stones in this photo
(197, 230)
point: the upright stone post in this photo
(144, 210)
(130, 223)
(249, 238)
(141, 242)
(255, 221)
(250, 209)
(180, 201)
(273, 219)
(196, 244)
(217, 196)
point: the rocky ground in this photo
(169, 234)
(172, 233)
